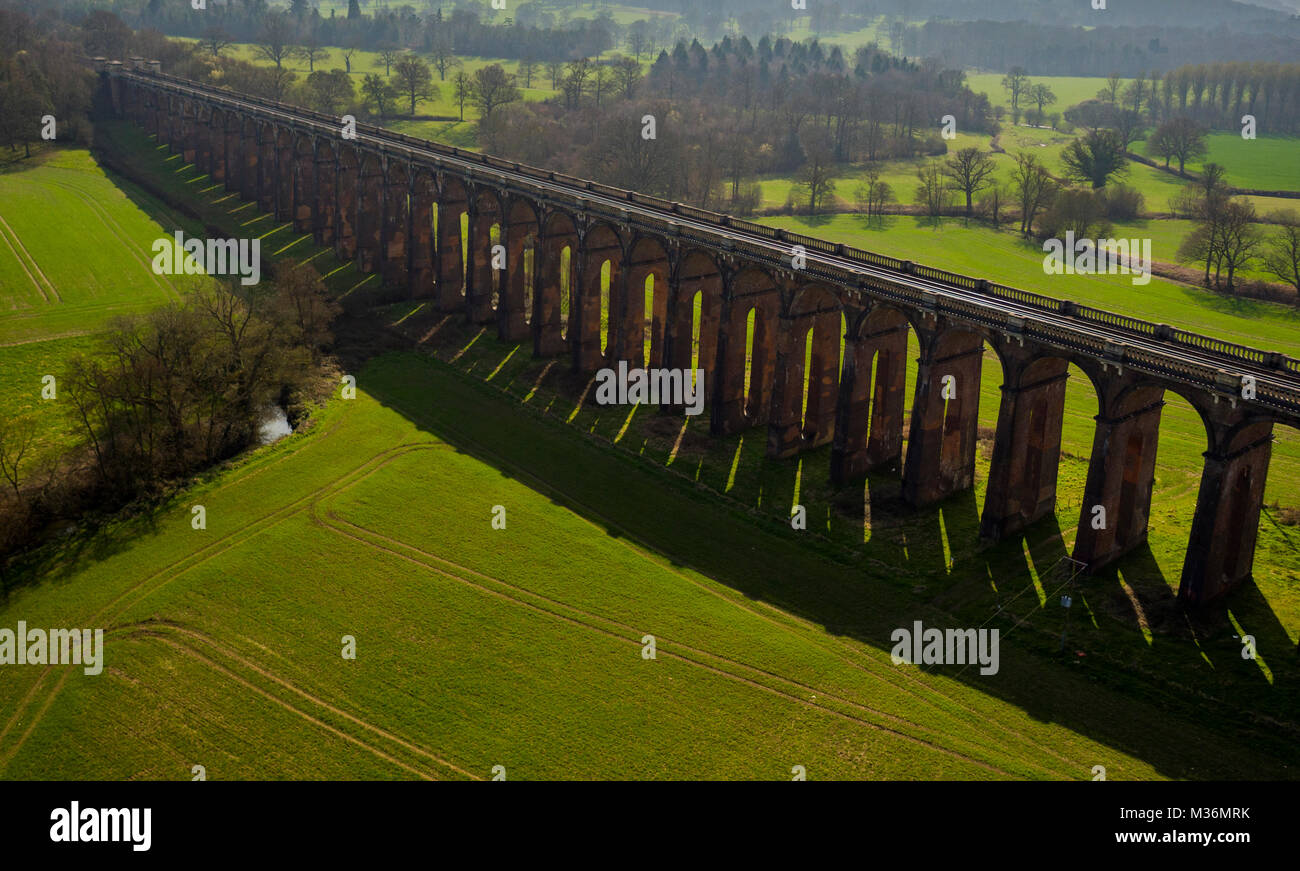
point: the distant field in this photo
(849, 40)
(1069, 90)
(1270, 163)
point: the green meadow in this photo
(1069, 90)
(522, 646)
(76, 253)
(1267, 163)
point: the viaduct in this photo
(426, 216)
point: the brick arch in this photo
(422, 212)
(692, 338)
(348, 184)
(1135, 389)
(369, 211)
(219, 146)
(394, 231)
(285, 142)
(807, 375)
(267, 135)
(204, 136)
(520, 235)
(1225, 528)
(1121, 470)
(449, 259)
(873, 393)
(601, 243)
(186, 129)
(483, 282)
(303, 163)
(735, 406)
(244, 155)
(945, 414)
(1027, 444)
(325, 208)
(556, 280)
(648, 262)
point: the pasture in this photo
(522, 646)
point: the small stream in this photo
(273, 426)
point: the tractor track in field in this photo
(110, 223)
(176, 569)
(15, 245)
(75, 334)
(592, 620)
(313, 502)
(859, 660)
(588, 512)
(161, 629)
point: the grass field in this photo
(518, 647)
(1268, 163)
(1069, 90)
(76, 253)
(522, 646)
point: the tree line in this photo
(41, 75)
(725, 114)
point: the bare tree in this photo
(463, 90)
(873, 194)
(578, 72)
(1110, 93)
(493, 87)
(17, 443)
(444, 57)
(968, 172)
(638, 38)
(1282, 259)
(1180, 139)
(388, 55)
(816, 174)
(627, 73)
(312, 49)
(275, 41)
(1206, 201)
(1239, 238)
(555, 69)
(413, 80)
(1042, 96)
(1017, 84)
(526, 69)
(1034, 188)
(216, 40)
(933, 192)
